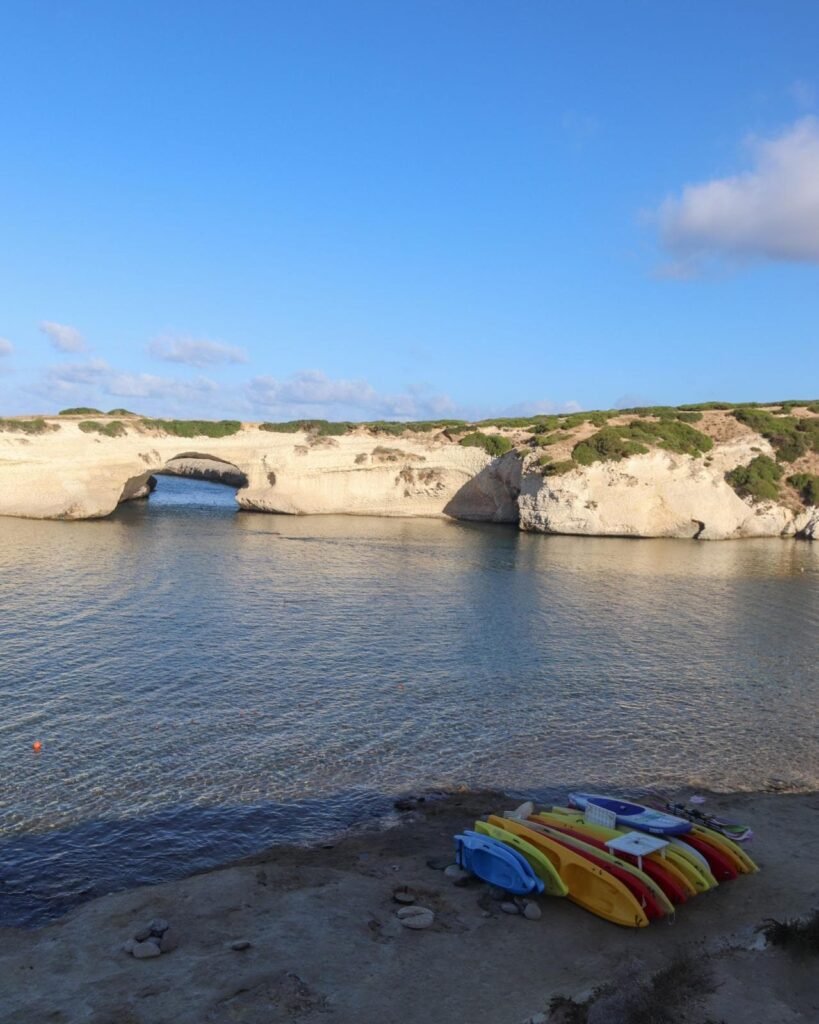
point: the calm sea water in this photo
(205, 683)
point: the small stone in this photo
(532, 911)
(128, 947)
(145, 950)
(159, 926)
(404, 895)
(439, 863)
(169, 941)
(509, 908)
(416, 917)
(143, 934)
(239, 945)
(456, 873)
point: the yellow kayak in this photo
(600, 832)
(589, 886)
(695, 870)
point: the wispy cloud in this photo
(198, 352)
(770, 212)
(6, 347)
(313, 393)
(63, 337)
(94, 380)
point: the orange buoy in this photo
(36, 746)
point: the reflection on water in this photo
(182, 655)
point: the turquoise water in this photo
(206, 682)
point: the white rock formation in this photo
(654, 495)
(68, 474)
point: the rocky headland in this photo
(706, 473)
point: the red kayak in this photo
(656, 872)
(722, 867)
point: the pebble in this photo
(128, 947)
(143, 934)
(169, 941)
(240, 944)
(439, 863)
(532, 911)
(509, 908)
(145, 950)
(457, 874)
(416, 917)
(404, 895)
(159, 926)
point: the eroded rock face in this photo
(654, 495)
(66, 474)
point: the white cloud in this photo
(6, 347)
(312, 393)
(770, 212)
(63, 337)
(199, 352)
(95, 381)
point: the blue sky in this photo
(406, 209)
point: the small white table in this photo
(639, 844)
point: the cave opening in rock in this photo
(190, 480)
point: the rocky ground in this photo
(316, 935)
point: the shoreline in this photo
(324, 914)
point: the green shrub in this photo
(81, 410)
(556, 468)
(759, 480)
(417, 426)
(321, 428)
(789, 437)
(112, 429)
(195, 428)
(492, 444)
(606, 445)
(121, 412)
(35, 426)
(545, 424)
(807, 484)
(670, 434)
(544, 440)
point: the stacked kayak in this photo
(565, 851)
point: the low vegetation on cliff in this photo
(33, 426)
(195, 428)
(807, 487)
(492, 444)
(759, 480)
(114, 428)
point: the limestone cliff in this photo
(62, 472)
(658, 495)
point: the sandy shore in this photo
(325, 944)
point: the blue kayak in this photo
(496, 863)
(632, 815)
